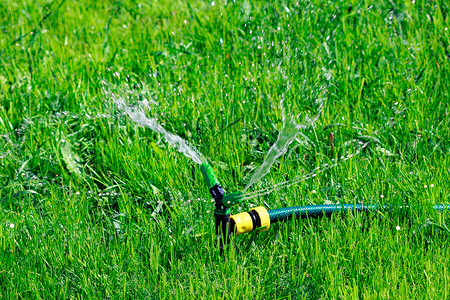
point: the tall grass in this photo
(94, 206)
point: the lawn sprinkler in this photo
(222, 203)
(259, 218)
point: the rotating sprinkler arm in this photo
(222, 203)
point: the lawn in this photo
(95, 205)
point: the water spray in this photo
(258, 218)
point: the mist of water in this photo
(137, 115)
(287, 134)
(296, 180)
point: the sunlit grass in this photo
(93, 206)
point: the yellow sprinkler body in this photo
(257, 217)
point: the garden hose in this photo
(260, 218)
(282, 214)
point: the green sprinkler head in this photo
(221, 212)
(215, 189)
(232, 199)
(222, 201)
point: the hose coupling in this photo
(256, 218)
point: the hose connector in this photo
(257, 217)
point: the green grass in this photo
(105, 209)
